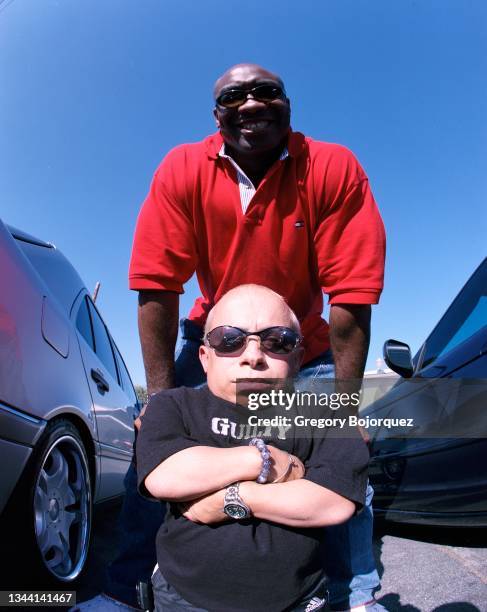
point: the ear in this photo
(203, 354)
(289, 107)
(215, 114)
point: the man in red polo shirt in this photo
(258, 203)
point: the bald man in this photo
(256, 202)
(262, 552)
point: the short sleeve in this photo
(164, 253)
(162, 434)
(341, 465)
(349, 236)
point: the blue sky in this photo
(93, 94)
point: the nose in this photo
(251, 103)
(253, 355)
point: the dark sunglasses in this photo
(263, 93)
(278, 340)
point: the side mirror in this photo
(397, 356)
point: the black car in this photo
(431, 467)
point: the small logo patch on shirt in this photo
(299, 224)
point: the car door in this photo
(114, 407)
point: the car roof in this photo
(52, 266)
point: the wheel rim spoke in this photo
(69, 519)
(57, 555)
(43, 539)
(58, 472)
(42, 489)
(79, 481)
(41, 499)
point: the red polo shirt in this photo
(312, 225)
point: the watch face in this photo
(235, 511)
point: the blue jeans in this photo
(140, 517)
(138, 522)
(349, 562)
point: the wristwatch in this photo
(233, 505)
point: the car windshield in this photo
(466, 316)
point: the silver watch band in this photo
(231, 494)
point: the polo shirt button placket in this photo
(254, 217)
(253, 220)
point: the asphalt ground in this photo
(423, 569)
(426, 569)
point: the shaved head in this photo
(252, 299)
(234, 71)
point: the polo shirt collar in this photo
(296, 144)
(222, 153)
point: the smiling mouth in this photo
(254, 126)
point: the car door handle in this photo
(101, 383)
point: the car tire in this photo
(54, 506)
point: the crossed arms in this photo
(198, 476)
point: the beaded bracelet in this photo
(265, 454)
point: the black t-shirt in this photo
(240, 566)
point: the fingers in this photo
(185, 509)
(297, 469)
(138, 422)
(279, 463)
(293, 471)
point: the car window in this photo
(466, 316)
(103, 347)
(125, 378)
(83, 324)
(476, 320)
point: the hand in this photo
(138, 422)
(280, 465)
(205, 510)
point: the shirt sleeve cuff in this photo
(167, 450)
(354, 297)
(353, 488)
(137, 283)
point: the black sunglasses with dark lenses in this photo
(278, 340)
(263, 93)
